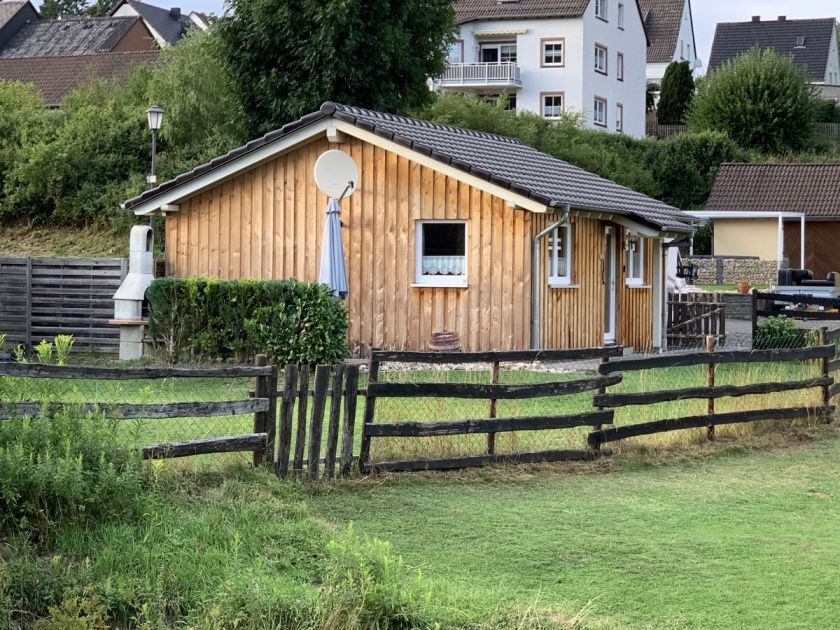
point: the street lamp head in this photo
(155, 116)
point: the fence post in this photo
(754, 319)
(335, 416)
(710, 382)
(261, 418)
(28, 343)
(602, 391)
(287, 408)
(826, 393)
(316, 424)
(370, 408)
(494, 379)
(300, 432)
(351, 393)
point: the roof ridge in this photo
(330, 106)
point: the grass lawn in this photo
(719, 288)
(737, 540)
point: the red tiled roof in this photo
(472, 10)
(663, 19)
(55, 77)
(813, 189)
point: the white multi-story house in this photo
(551, 56)
(670, 29)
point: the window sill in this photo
(560, 285)
(601, 72)
(603, 19)
(602, 125)
(439, 285)
(637, 285)
(553, 65)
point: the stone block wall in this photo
(734, 269)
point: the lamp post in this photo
(155, 117)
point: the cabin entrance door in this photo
(609, 278)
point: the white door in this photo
(609, 285)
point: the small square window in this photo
(441, 253)
(560, 256)
(552, 105)
(600, 59)
(635, 247)
(600, 112)
(619, 67)
(553, 52)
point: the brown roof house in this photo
(789, 213)
(448, 229)
(59, 55)
(812, 44)
(670, 29)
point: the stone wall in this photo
(734, 269)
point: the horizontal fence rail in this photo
(37, 370)
(500, 356)
(130, 410)
(491, 391)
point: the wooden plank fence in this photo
(712, 391)
(693, 317)
(260, 441)
(45, 297)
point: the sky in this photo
(707, 13)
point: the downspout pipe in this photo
(536, 276)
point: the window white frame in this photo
(620, 15)
(561, 254)
(553, 49)
(601, 9)
(635, 268)
(422, 280)
(455, 52)
(619, 66)
(599, 112)
(619, 117)
(551, 110)
(506, 52)
(601, 59)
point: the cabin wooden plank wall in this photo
(268, 223)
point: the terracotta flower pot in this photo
(744, 287)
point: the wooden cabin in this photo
(449, 229)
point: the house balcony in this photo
(480, 75)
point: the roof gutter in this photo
(536, 276)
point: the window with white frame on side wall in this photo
(601, 8)
(599, 116)
(440, 253)
(619, 66)
(553, 53)
(552, 104)
(620, 15)
(635, 267)
(619, 117)
(601, 53)
(560, 252)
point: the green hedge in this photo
(291, 321)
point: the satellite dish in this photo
(336, 174)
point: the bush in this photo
(677, 93)
(780, 332)
(762, 100)
(69, 465)
(289, 320)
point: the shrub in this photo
(198, 317)
(69, 465)
(780, 331)
(760, 99)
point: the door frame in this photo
(610, 282)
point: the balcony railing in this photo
(480, 74)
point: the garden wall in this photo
(734, 269)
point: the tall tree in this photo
(52, 9)
(288, 56)
(762, 100)
(677, 93)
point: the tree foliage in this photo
(677, 94)
(289, 56)
(760, 99)
(51, 9)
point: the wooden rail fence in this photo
(492, 392)
(713, 392)
(45, 297)
(263, 407)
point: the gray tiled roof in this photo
(735, 38)
(813, 189)
(472, 10)
(501, 160)
(69, 36)
(169, 27)
(663, 19)
(55, 77)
